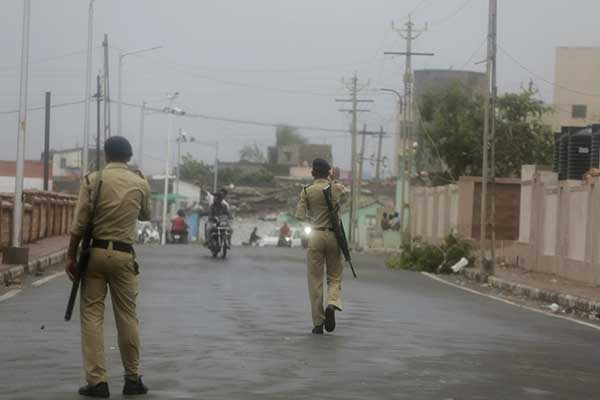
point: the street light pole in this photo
(22, 127)
(88, 92)
(171, 98)
(140, 156)
(122, 55)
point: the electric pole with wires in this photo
(354, 89)
(489, 146)
(405, 152)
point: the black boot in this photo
(134, 386)
(99, 390)
(330, 318)
(318, 330)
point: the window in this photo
(288, 156)
(63, 162)
(579, 111)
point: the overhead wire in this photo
(543, 79)
(37, 108)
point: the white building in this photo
(68, 162)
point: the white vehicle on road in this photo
(272, 239)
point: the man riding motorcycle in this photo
(179, 228)
(217, 209)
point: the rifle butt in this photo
(71, 302)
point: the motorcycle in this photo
(179, 237)
(305, 235)
(220, 240)
(147, 233)
(284, 241)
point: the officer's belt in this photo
(324, 229)
(116, 246)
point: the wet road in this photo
(240, 329)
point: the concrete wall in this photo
(438, 210)
(576, 72)
(561, 229)
(45, 214)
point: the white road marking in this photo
(47, 279)
(10, 294)
(512, 303)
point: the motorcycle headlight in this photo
(307, 230)
(287, 239)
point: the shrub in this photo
(422, 256)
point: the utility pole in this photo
(22, 129)
(165, 210)
(140, 156)
(47, 141)
(379, 161)
(355, 189)
(409, 34)
(361, 160)
(489, 128)
(88, 91)
(106, 90)
(98, 97)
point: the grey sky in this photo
(268, 60)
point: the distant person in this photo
(254, 238)
(218, 209)
(395, 222)
(179, 226)
(385, 222)
(122, 197)
(284, 231)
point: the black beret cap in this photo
(320, 165)
(118, 146)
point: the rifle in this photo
(338, 228)
(84, 255)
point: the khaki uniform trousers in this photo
(115, 270)
(323, 250)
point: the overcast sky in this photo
(278, 61)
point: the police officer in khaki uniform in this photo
(323, 249)
(124, 197)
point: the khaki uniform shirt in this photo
(124, 198)
(312, 205)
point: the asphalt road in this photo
(240, 329)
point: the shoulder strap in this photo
(96, 197)
(306, 197)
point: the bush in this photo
(422, 256)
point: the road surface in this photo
(240, 329)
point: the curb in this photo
(380, 251)
(564, 300)
(33, 267)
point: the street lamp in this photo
(173, 112)
(182, 137)
(22, 128)
(122, 55)
(88, 92)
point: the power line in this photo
(43, 107)
(241, 121)
(450, 16)
(44, 60)
(549, 82)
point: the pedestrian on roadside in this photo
(123, 198)
(395, 222)
(385, 222)
(323, 249)
(254, 238)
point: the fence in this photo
(541, 224)
(559, 226)
(45, 214)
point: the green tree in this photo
(252, 153)
(195, 171)
(452, 131)
(286, 135)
